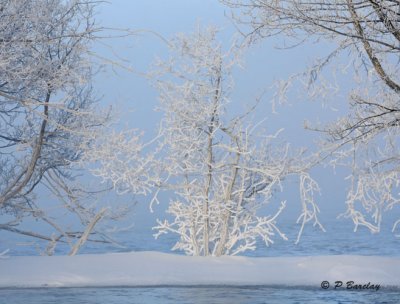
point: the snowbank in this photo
(153, 268)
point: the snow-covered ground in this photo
(154, 268)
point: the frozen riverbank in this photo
(156, 269)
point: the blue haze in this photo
(264, 63)
(131, 95)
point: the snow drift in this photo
(154, 268)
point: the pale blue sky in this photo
(135, 99)
(130, 94)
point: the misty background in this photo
(125, 88)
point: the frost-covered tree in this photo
(47, 112)
(368, 33)
(218, 170)
(124, 161)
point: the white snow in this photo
(154, 268)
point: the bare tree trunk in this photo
(367, 46)
(87, 232)
(211, 129)
(26, 174)
(206, 203)
(228, 196)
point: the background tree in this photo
(47, 112)
(369, 32)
